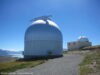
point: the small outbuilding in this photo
(80, 43)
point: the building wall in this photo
(41, 39)
(77, 45)
(43, 47)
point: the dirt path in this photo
(67, 65)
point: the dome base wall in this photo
(28, 57)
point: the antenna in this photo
(45, 18)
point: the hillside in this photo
(9, 52)
(7, 55)
(91, 63)
(91, 47)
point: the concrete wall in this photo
(77, 45)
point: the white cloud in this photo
(14, 50)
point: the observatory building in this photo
(80, 43)
(43, 39)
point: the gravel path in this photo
(67, 65)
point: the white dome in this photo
(43, 37)
(44, 22)
(83, 39)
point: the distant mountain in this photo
(2, 52)
(8, 52)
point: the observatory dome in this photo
(83, 39)
(43, 38)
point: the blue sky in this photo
(74, 17)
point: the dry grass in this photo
(91, 47)
(15, 65)
(91, 64)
